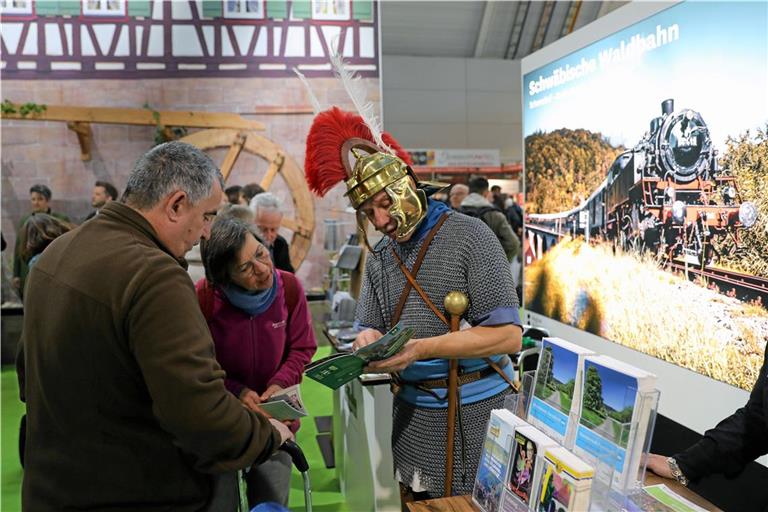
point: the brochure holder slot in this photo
(610, 489)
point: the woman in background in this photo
(260, 323)
(39, 230)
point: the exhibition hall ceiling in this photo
(491, 29)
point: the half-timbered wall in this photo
(47, 152)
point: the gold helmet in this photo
(333, 136)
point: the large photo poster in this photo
(646, 165)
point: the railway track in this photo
(744, 287)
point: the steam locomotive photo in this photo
(667, 194)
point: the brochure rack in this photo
(610, 490)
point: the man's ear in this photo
(175, 205)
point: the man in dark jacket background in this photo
(476, 204)
(126, 404)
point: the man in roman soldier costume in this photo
(427, 252)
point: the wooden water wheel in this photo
(303, 223)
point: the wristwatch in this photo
(676, 472)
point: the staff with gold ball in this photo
(456, 304)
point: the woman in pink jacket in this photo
(261, 326)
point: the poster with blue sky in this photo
(643, 189)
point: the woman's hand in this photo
(366, 337)
(411, 352)
(251, 399)
(274, 389)
(659, 465)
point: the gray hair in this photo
(167, 168)
(265, 201)
(219, 252)
(236, 211)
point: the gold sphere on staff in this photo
(456, 303)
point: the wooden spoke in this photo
(280, 164)
(232, 154)
(290, 224)
(274, 168)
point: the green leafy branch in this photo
(164, 133)
(8, 107)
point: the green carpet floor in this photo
(317, 398)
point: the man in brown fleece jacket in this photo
(126, 405)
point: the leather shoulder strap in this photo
(411, 275)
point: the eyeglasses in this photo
(262, 257)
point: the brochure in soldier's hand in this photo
(338, 369)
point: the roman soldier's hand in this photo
(410, 353)
(366, 337)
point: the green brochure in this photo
(338, 369)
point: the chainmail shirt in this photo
(464, 256)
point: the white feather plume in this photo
(356, 90)
(312, 98)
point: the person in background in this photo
(237, 211)
(476, 204)
(266, 207)
(103, 193)
(260, 322)
(726, 449)
(39, 231)
(235, 195)
(457, 194)
(497, 197)
(250, 191)
(126, 404)
(39, 198)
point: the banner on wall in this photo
(456, 157)
(646, 216)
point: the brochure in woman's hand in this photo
(338, 369)
(285, 406)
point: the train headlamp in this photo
(747, 214)
(678, 212)
(729, 195)
(669, 195)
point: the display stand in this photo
(610, 490)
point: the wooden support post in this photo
(84, 138)
(232, 154)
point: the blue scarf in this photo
(253, 303)
(435, 210)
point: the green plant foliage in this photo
(593, 391)
(746, 158)
(163, 133)
(25, 109)
(7, 107)
(563, 167)
(31, 108)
